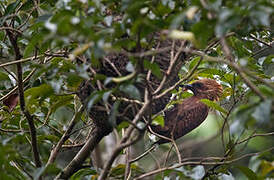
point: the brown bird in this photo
(191, 112)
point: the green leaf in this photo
(130, 67)
(34, 41)
(113, 113)
(119, 170)
(27, 5)
(82, 173)
(196, 173)
(51, 170)
(213, 105)
(131, 91)
(227, 21)
(242, 115)
(182, 95)
(268, 65)
(212, 71)
(30, 48)
(183, 35)
(4, 76)
(247, 172)
(63, 114)
(262, 111)
(36, 95)
(194, 61)
(108, 80)
(11, 7)
(106, 96)
(155, 69)
(74, 80)
(59, 101)
(230, 78)
(122, 125)
(123, 78)
(203, 30)
(159, 120)
(267, 167)
(94, 98)
(38, 172)
(48, 137)
(43, 18)
(42, 91)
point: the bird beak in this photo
(186, 87)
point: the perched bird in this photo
(191, 112)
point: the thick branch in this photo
(13, 40)
(96, 136)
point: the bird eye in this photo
(198, 85)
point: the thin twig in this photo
(168, 154)
(226, 49)
(10, 130)
(173, 61)
(152, 61)
(12, 75)
(177, 151)
(113, 66)
(255, 38)
(267, 83)
(200, 163)
(179, 82)
(21, 60)
(254, 135)
(16, 87)
(73, 145)
(11, 29)
(123, 143)
(147, 53)
(236, 67)
(127, 169)
(126, 100)
(19, 167)
(142, 155)
(65, 136)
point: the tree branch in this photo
(13, 40)
(96, 136)
(21, 60)
(123, 143)
(65, 136)
(236, 67)
(201, 163)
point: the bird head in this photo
(205, 89)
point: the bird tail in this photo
(163, 131)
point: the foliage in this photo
(62, 41)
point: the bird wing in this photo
(165, 130)
(182, 118)
(190, 114)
